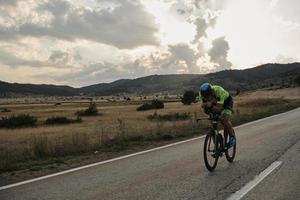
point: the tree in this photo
(237, 91)
(189, 97)
(297, 80)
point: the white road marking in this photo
(97, 163)
(126, 156)
(249, 186)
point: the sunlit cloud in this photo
(86, 42)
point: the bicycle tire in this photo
(229, 156)
(206, 153)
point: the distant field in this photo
(46, 148)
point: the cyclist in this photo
(215, 98)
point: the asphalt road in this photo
(178, 172)
(283, 183)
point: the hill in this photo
(257, 77)
(17, 89)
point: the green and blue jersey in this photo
(220, 95)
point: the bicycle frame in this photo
(219, 143)
(215, 119)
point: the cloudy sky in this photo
(83, 42)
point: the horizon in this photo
(81, 43)
(144, 76)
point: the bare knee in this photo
(225, 122)
(227, 125)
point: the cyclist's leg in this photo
(226, 115)
(225, 119)
(228, 128)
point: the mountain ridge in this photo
(246, 79)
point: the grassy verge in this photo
(47, 155)
(170, 117)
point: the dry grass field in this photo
(119, 128)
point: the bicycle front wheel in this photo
(210, 152)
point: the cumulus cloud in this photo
(201, 3)
(56, 7)
(7, 34)
(218, 53)
(90, 74)
(201, 28)
(7, 58)
(86, 44)
(8, 2)
(211, 4)
(184, 53)
(178, 58)
(125, 26)
(194, 57)
(59, 57)
(202, 23)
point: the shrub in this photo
(170, 117)
(189, 97)
(90, 111)
(238, 91)
(5, 110)
(17, 121)
(62, 120)
(297, 80)
(155, 104)
(145, 106)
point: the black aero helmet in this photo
(206, 89)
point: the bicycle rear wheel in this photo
(210, 152)
(230, 153)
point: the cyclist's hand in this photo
(206, 111)
(207, 105)
(216, 109)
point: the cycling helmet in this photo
(206, 89)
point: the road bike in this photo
(216, 144)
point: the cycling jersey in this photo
(220, 95)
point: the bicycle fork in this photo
(218, 143)
(218, 140)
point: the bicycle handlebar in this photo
(212, 116)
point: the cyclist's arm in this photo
(199, 98)
(206, 105)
